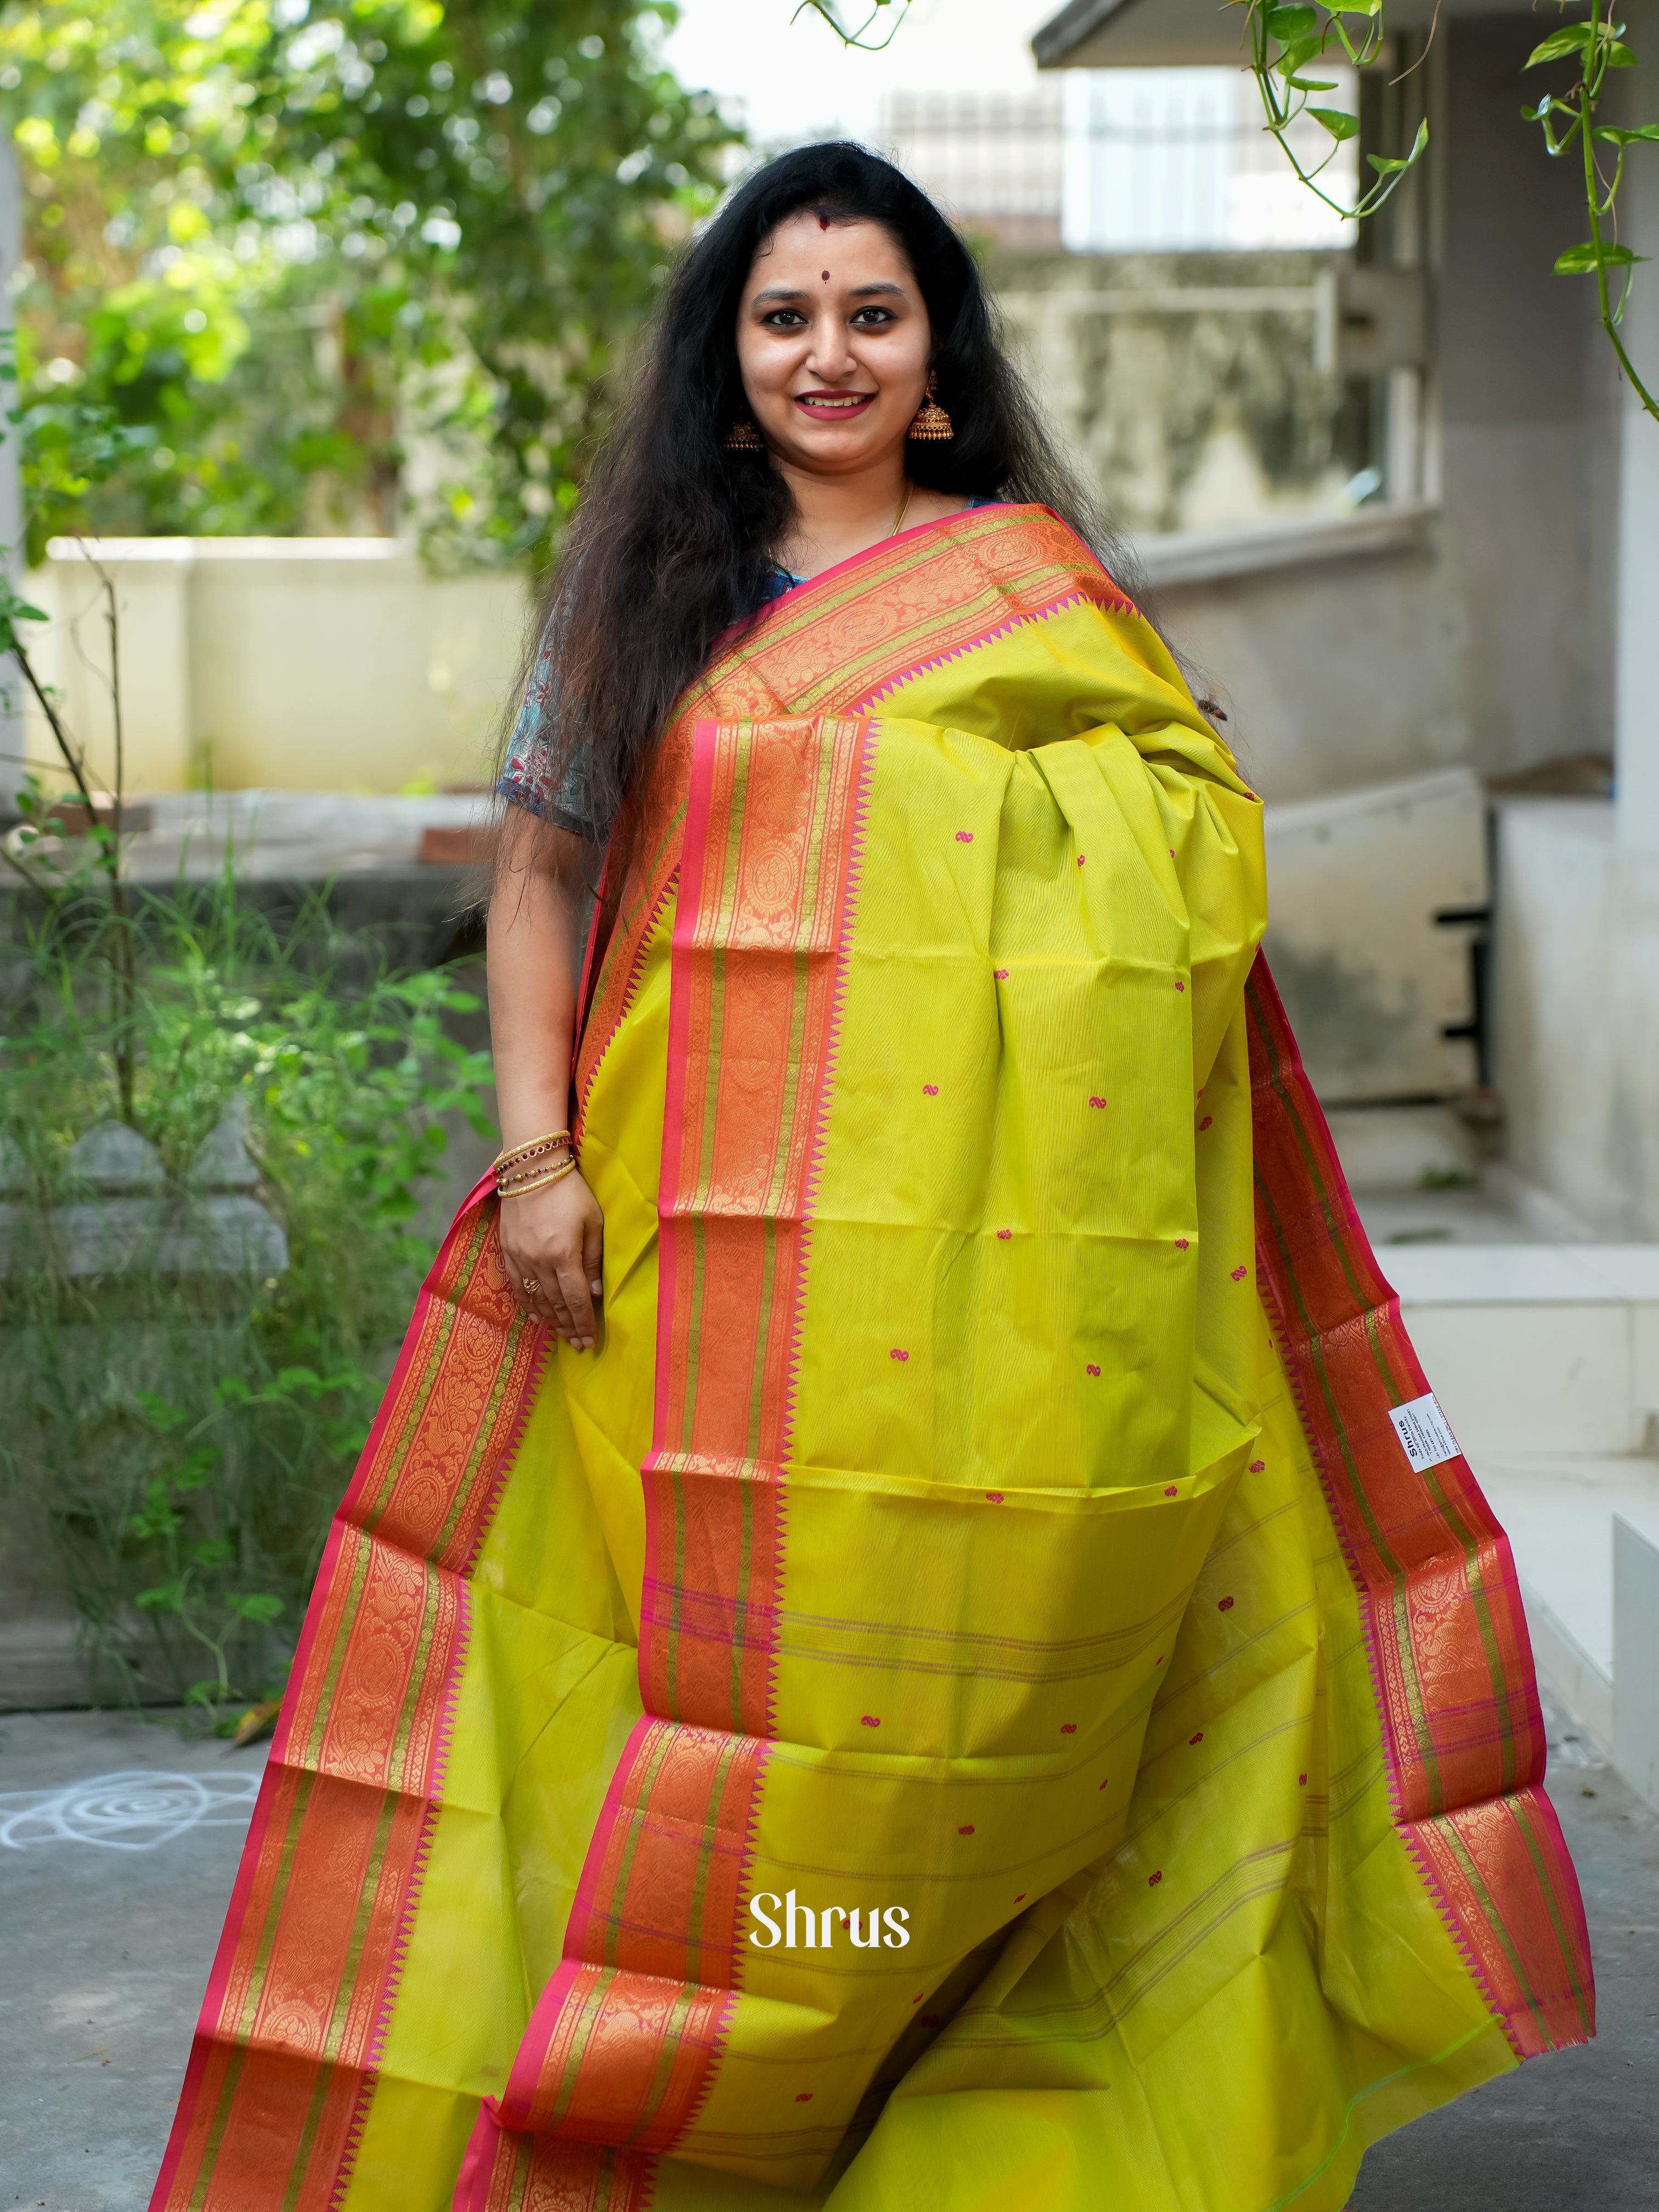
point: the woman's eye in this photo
(872, 317)
(783, 319)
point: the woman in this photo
(909, 1633)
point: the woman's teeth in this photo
(837, 407)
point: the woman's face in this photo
(833, 342)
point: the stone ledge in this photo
(1202, 556)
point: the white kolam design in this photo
(133, 1811)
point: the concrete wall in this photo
(1333, 647)
(1520, 391)
(1576, 972)
(301, 664)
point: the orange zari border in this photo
(284, 2058)
(1452, 1659)
(622, 2046)
(834, 646)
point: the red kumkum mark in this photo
(1239, 1273)
(1224, 1605)
(869, 1720)
(964, 837)
(930, 1090)
(992, 1498)
(1091, 1370)
(1153, 1880)
(896, 1354)
(826, 275)
(1068, 1728)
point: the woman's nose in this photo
(830, 356)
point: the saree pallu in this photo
(1005, 1545)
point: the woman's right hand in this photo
(553, 1243)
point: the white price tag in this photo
(1424, 1431)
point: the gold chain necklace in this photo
(899, 520)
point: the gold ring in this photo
(531, 1285)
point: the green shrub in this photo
(179, 1443)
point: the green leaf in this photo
(1647, 133)
(257, 1607)
(1311, 83)
(1336, 121)
(1387, 164)
(1570, 39)
(158, 1413)
(1618, 56)
(166, 1597)
(1291, 22)
(1581, 260)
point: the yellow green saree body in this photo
(993, 1687)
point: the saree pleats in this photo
(968, 1698)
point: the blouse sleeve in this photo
(528, 778)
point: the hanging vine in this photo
(1285, 42)
(1287, 38)
(1594, 47)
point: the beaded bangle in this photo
(520, 1156)
(538, 1180)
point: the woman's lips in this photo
(835, 405)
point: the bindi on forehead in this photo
(826, 275)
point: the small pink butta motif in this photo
(964, 837)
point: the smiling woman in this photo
(835, 364)
(910, 1430)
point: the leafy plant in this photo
(1594, 47)
(358, 263)
(181, 1443)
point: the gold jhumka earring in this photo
(930, 419)
(742, 438)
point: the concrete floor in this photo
(111, 1900)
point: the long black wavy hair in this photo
(671, 545)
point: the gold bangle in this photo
(521, 1154)
(537, 1181)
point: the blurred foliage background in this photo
(354, 265)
